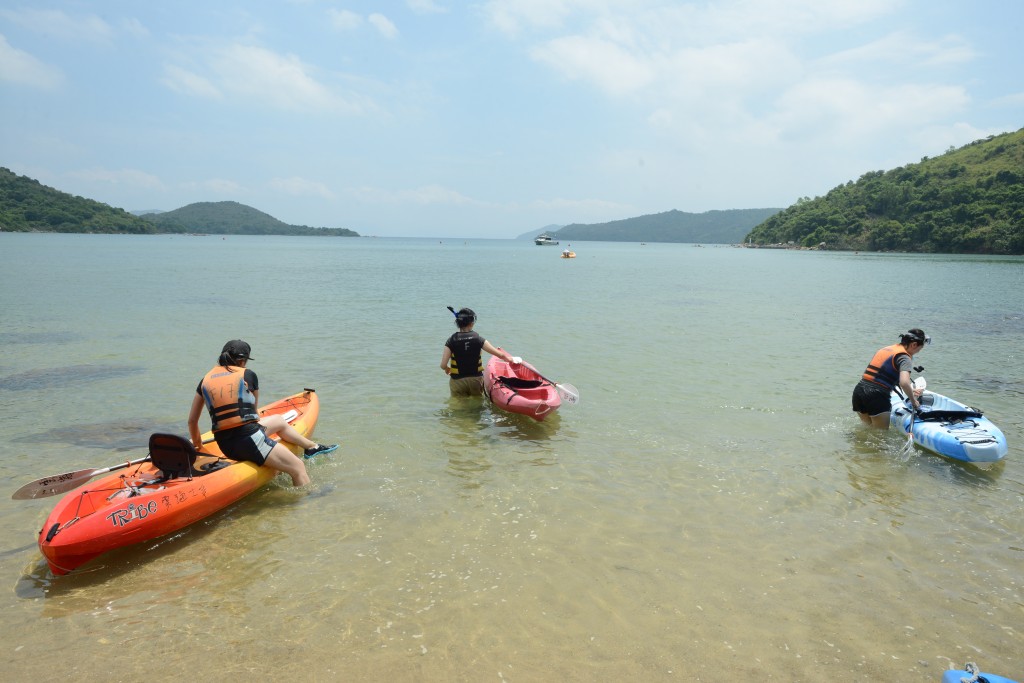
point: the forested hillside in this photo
(28, 206)
(712, 227)
(968, 201)
(232, 218)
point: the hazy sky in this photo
(494, 118)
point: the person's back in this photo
(461, 359)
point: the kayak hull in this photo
(519, 389)
(958, 675)
(130, 506)
(972, 438)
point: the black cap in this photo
(237, 349)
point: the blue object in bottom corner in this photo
(972, 675)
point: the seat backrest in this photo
(172, 455)
(519, 383)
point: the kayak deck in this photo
(518, 388)
(950, 428)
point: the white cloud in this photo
(281, 79)
(300, 187)
(251, 72)
(344, 19)
(188, 83)
(134, 27)
(18, 66)
(425, 7)
(425, 195)
(60, 25)
(1011, 100)
(844, 109)
(902, 48)
(221, 186)
(513, 16)
(383, 25)
(129, 177)
(605, 64)
(748, 77)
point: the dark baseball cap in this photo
(238, 349)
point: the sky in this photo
(436, 118)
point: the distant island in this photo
(711, 227)
(28, 206)
(232, 218)
(968, 201)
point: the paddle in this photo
(918, 383)
(61, 483)
(568, 392)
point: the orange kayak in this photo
(138, 504)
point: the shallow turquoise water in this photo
(711, 510)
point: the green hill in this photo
(968, 201)
(28, 206)
(711, 227)
(232, 218)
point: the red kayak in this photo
(518, 388)
(147, 500)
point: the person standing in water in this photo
(461, 360)
(889, 368)
(230, 392)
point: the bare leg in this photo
(284, 460)
(880, 421)
(865, 418)
(275, 425)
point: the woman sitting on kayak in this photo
(231, 393)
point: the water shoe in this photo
(318, 449)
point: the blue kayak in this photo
(950, 428)
(972, 675)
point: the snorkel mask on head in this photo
(464, 316)
(915, 335)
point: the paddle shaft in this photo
(62, 483)
(570, 396)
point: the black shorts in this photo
(871, 398)
(246, 443)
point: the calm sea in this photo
(711, 510)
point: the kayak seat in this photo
(518, 383)
(173, 456)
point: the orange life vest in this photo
(882, 369)
(228, 398)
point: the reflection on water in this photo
(879, 466)
(71, 376)
(231, 543)
(1010, 385)
(117, 435)
(62, 337)
(473, 433)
